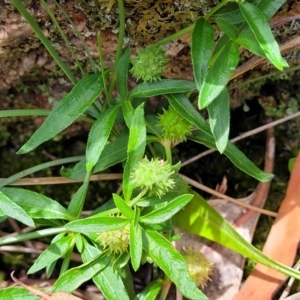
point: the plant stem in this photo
(101, 60)
(33, 112)
(119, 46)
(39, 168)
(85, 186)
(31, 235)
(67, 258)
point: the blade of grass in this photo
(34, 25)
(87, 50)
(67, 43)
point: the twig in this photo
(215, 193)
(62, 180)
(244, 135)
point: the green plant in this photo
(137, 227)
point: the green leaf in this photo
(184, 108)
(108, 281)
(230, 12)
(250, 43)
(11, 209)
(136, 148)
(262, 31)
(219, 119)
(36, 205)
(123, 207)
(227, 27)
(161, 87)
(127, 112)
(67, 111)
(55, 251)
(113, 153)
(73, 278)
(238, 158)
(219, 74)
(77, 201)
(200, 218)
(99, 135)
(97, 224)
(172, 263)
(270, 7)
(151, 291)
(136, 244)
(17, 292)
(122, 73)
(154, 200)
(202, 44)
(166, 212)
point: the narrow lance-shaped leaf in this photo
(202, 44)
(36, 205)
(108, 281)
(183, 106)
(128, 111)
(97, 224)
(55, 251)
(219, 74)
(123, 207)
(219, 119)
(270, 7)
(17, 292)
(237, 157)
(99, 135)
(172, 263)
(136, 148)
(73, 278)
(122, 73)
(112, 154)
(67, 111)
(227, 27)
(11, 209)
(151, 291)
(136, 243)
(166, 212)
(161, 87)
(76, 204)
(250, 43)
(200, 218)
(261, 29)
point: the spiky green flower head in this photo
(154, 175)
(198, 265)
(116, 241)
(149, 63)
(173, 126)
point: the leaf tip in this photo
(23, 150)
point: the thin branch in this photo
(244, 135)
(220, 195)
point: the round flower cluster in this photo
(116, 241)
(154, 175)
(173, 126)
(149, 64)
(198, 265)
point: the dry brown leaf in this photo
(281, 245)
